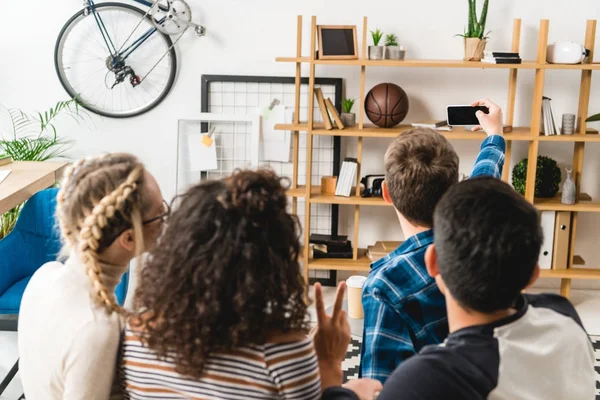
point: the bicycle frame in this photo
(121, 54)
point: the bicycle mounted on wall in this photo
(112, 68)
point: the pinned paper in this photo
(202, 152)
(275, 144)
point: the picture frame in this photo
(333, 42)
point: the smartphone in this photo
(464, 115)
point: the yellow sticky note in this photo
(207, 140)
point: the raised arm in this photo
(490, 160)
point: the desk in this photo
(26, 179)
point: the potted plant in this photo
(26, 137)
(547, 177)
(474, 37)
(376, 51)
(348, 117)
(392, 50)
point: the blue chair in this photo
(34, 241)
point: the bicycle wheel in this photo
(86, 68)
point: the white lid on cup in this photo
(356, 281)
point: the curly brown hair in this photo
(225, 274)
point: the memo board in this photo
(233, 94)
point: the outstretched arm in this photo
(490, 160)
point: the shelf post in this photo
(296, 134)
(579, 147)
(309, 145)
(538, 94)
(512, 92)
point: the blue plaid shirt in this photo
(403, 307)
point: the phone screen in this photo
(464, 115)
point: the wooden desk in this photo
(26, 179)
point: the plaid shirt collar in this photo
(415, 242)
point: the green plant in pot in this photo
(474, 38)
(393, 51)
(547, 177)
(32, 137)
(376, 51)
(348, 117)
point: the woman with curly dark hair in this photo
(220, 307)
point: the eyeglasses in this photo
(162, 216)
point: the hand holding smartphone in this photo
(490, 116)
(464, 115)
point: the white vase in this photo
(376, 52)
(569, 190)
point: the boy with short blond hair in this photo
(404, 309)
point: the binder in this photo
(562, 231)
(548, 219)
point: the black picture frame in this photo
(206, 81)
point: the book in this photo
(499, 60)
(347, 177)
(317, 238)
(548, 124)
(334, 113)
(323, 108)
(505, 54)
(5, 159)
(434, 123)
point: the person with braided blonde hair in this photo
(110, 210)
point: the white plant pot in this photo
(376, 52)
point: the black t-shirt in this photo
(540, 352)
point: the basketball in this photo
(386, 105)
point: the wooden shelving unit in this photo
(530, 134)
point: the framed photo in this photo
(337, 42)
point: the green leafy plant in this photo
(347, 105)
(593, 118)
(476, 29)
(547, 177)
(391, 40)
(32, 137)
(377, 35)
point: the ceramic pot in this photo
(394, 53)
(568, 189)
(474, 48)
(348, 119)
(376, 52)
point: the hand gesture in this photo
(365, 389)
(332, 335)
(491, 123)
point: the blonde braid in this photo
(91, 234)
(66, 233)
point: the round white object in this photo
(356, 281)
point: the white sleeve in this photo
(91, 362)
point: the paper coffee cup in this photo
(355, 285)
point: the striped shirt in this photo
(269, 371)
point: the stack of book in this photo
(347, 177)
(548, 125)
(501, 57)
(328, 246)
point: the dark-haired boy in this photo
(502, 344)
(403, 307)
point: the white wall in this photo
(245, 36)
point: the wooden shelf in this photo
(353, 200)
(440, 64)
(363, 263)
(584, 204)
(571, 273)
